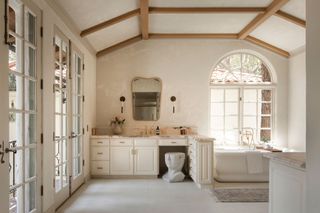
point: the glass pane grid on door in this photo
(22, 111)
(237, 111)
(61, 114)
(77, 116)
(224, 115)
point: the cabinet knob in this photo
(100, 153)
(100, 168)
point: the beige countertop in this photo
(199, 138)
(295, 160)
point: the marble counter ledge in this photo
(295, 160)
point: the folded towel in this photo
(254, 162)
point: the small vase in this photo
(117, 129)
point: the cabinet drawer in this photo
(173, 142)
(145, 142)
(100, 142)
(100, 167)
(121, 142)
(100, 153)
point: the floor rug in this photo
(241, 195)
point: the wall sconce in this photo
(122, 100)
(173, 100)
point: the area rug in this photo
(241, 195)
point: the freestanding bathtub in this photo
(231, 165)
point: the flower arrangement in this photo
(117, 120)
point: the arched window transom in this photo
(241, 68)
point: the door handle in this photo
(2, 151)
(7, 150)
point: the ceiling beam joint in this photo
(261, 18)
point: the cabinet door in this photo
(121, 161)
(146, 161)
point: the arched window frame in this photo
(242, 86)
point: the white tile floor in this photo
(150, 196)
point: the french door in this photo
(61, 111)
(20, 147)
(239, 111)
(68, 113)
(77, 118)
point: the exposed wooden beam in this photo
(110, 22)
(144, 18)
(267, 46)
(194, 35)
(120, 45)
(291, 18)
(259, 19)
(176, 10)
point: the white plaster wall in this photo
(297, 102)
(185, 68)
(51, 20)
(313, 106)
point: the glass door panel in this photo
(24, 105)
(77, 119)
(62, 158)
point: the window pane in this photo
(79, 85)
(30, 62)
(14, 58)
(265, 95)
(250, 108)
(30, 95)
(58, 178)
(64, 126)
(217, 109)
(15, 91)
(232, 108)
(250, 95)
(232, 95)
(15, 168)
(217, 95)
(265, 108)
(217, 123)
(30, 130)
(58, 101)
(231, 122)
(232, 136)
(265, 122)
(57, 75)
(249, 121)
(265, 135)
(15, 128)
(30, 196)
(16, 200)
(58, 126)
(65, 174)
(30, 158)
(31, 28)
(64, 102)
(57, 155)
(64, 151)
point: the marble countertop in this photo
(199, 138)
(295, 160)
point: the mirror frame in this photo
(151, 78)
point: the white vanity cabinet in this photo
(201, 161)
(100, 156)
(121, 156)
(146, 157)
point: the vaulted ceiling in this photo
(277, 25)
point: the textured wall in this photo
(184, 67)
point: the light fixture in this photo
(122, 100)
(173, 100)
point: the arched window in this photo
(241, 68)
(241, 100)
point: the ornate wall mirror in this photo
(146, 95)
